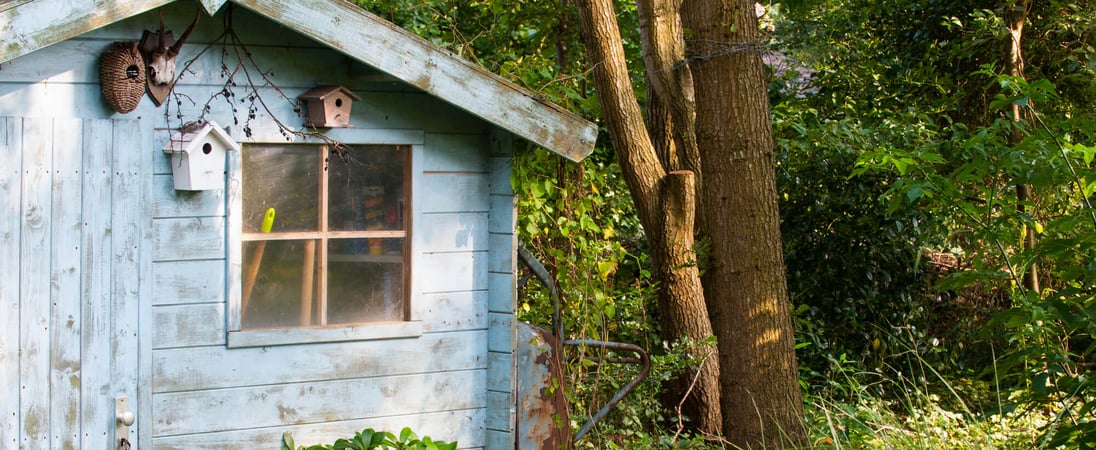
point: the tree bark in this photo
(670, 81)
(1015, 15)
(665, 203)
(671, 118)
(745, 283)
(682, 309)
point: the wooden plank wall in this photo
(502, 289)
(70, 228)
(194, 392)
(11, 165)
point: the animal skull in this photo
(159, 49)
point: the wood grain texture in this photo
(215, 367)
(34, 284)
(327, 401)
(65, 272)
(37, 24)
(185, 282)
(453, 232)
(192, 238)
(97, 407)
(463, 192)
(501, 288)
(452, 272)
(188, 325)
(11, 164)
(453, 152)
(127, 237)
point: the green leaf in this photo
(914, 193)
(406, 435)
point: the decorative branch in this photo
(231, 45)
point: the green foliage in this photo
(579, 222)
(917, 419)
(907, 96)
(578, 219)
(368, 439)
(897, 171)
(965, 177)
(854, 261)
(639, 420)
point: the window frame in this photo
(410, 327)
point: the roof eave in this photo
(399, 53)
(36, 24)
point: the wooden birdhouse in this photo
(198, 156)
(328, 106)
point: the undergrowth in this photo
(903, 404)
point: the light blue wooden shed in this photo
(123, 299)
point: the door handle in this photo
(123, 419)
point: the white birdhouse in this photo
(198, 156)
(328, 106)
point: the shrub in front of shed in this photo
(369, 439)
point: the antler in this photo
(174, 50)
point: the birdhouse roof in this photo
(31, 25)
(321, 92)
(190, 137)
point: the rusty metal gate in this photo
(542, 413)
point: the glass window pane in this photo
(283, 177)
(367, 189)
(285, 283)
(365, 287)
(281, 291)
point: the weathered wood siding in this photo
(72, 219)
(502, 272)
(190, 390)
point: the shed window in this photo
(336, 250)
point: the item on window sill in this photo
(373, 206)
(256, 260)
(308, 266)
(392, 222)
(357, 246)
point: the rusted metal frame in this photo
(644, 361)
(546, 279)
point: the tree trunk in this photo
(1015, 16)
(671, 118)
(670, 82)
(665, 203)
(745, 283)
(682, 309)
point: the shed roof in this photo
(28, 25)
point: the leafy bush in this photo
(368, 439)
(1049, 335)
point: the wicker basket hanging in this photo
(122, 76)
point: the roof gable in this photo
(34, 24)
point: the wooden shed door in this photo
(71, 220)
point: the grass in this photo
(889, 409)
(919, 408)
(917, 420)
